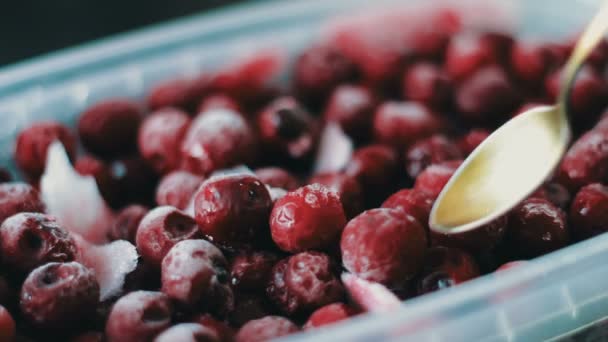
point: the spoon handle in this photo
(585, 45)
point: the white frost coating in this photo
(275, 193)
(335, 149)
(233, 171)
(371, 296)
(110, 262)
(74, 199)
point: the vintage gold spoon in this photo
(514, 160)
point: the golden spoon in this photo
(514, 160)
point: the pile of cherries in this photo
(250, 256)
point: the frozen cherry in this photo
(7, 325)
(194, 274)
(109, 128)
(467, 52)
(139, 316)
(330, 314)
(33, 142)
(233, 210)
(556, 194)
(471, 140)
(319, 70)
(178, 93)
(589, 211)
(162, 228)
(304, 282)
(435, 177)
(265, 329)
(218, 101)
(89, 336)
(384, 245)
(413, 202)
(446, 267)
(400, 124)
(187, 332)
(536, 227)
(28, 240)
(249, 307)
(426, 83)
(531, 61)
(287, 129)
(310, 217)
(375, 167)
(487, 96)
(177, 188)
(160, 136)
(432, 150)
(221, 329)
(348, 189)
(17, 197)
(586, 161)
(126, 223)
(251, 270)
(134, 181)
(58, 295)
(217, 139)
(482, 239)
(277, 178)
(352, 107)
(588, 95)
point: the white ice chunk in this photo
(335, 149)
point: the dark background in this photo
(32, 27)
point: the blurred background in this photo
(32, 27)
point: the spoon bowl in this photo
(517, 158)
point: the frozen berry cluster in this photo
(259, 253)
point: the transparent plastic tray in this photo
(565, 292)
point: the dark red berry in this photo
(556, 194)
(249, 307)
(426, 83)
(139, 316)
(348, 189)
(412, 202)
(5, 176)
(277, 178)
(482, 239)
(401, 124)
(178, 93)
(435, 177)
(310, 217)
(304, 282)
(126, 223)
(109, 128)
(89, 336)
(162, 228)
(589, 211)
(217, 139)
(187, 332)
(536, 227)
(352, 107)
(233, 210)
(91, 166)
(432, 150)
(251, 270)
(468, 142)
(446, 267)
(33, 142)
(330, 314)
(7, 325)
(531, 61)
(467, 52)
(17, 197)
(160, 136)
(135, 181)
(487, 96)
(222, 330)
(318, 70)
(177, 188)
(375, 167)
(588, 95)
(287, 129)
(265, 329)
(585, 162)
(57, 295)
(194, 274)
(218, 101)
(384, 245)
(28, 240)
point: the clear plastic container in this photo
(552, 296)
